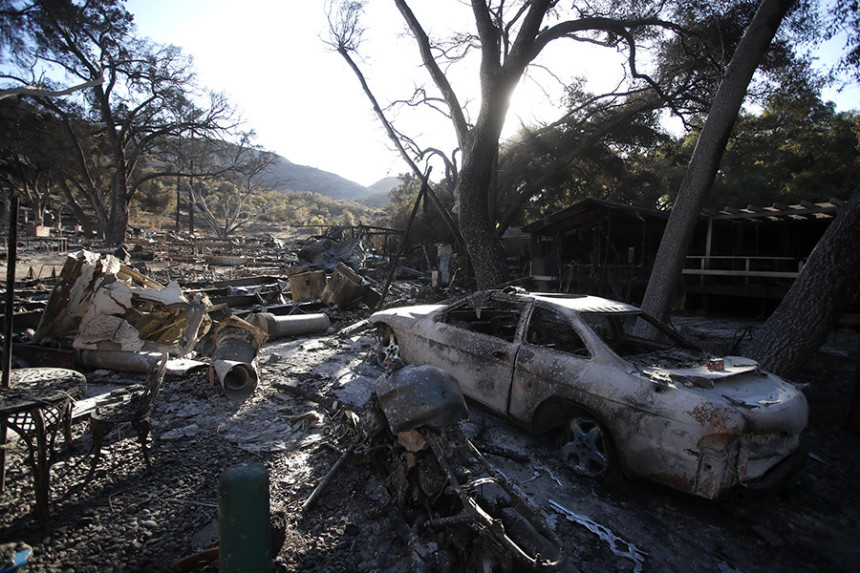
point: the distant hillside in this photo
(385, 185)
(379, 192)
(288, 176)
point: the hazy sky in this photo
(298, 95)
(301, 98)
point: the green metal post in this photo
(243, 520)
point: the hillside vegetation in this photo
(284, 175)
(290, 208)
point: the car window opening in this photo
(496, 318)
(550, 329)
(623, 334)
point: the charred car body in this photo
(626, 390)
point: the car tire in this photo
(387, 349)
(586, 446)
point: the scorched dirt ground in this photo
(128, 519)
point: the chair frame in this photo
(137, 410)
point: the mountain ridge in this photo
(284, 175)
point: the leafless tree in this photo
(508, 39)
(238, 198)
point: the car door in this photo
(552, 359)
(477, 341)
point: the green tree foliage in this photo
(788, 155)
(28, 150)
(844, 19)
(674, 56)
(603, 167)
(428, 225)
(156, 197)
(792, 150)
(290, 208)
(145, 95)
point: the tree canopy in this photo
(672, 57)
(142, 94)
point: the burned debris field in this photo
(598, 310)
(347, 494)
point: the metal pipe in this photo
(118, 360)
(11, 261)
(294, 325)
(238, 379)
(234, 360)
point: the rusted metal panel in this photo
(307, 287)
(344, 288)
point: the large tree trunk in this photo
(854, 412)
(485, 249)
(706, 157)
(118, 220)
(828, 283)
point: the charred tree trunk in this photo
(828, 283)
(118, 220)
(854, 412)
(483, 245)
(706, 157)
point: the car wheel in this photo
(586, 447)
(387, 350)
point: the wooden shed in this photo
(737, 256)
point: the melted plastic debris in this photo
(632, 552)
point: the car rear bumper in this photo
(781, 472)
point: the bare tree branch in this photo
(461, 126)
(36, 91)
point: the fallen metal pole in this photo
(118, 360)
(293, 325)
(324, 481)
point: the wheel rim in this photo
(585, 447)
(387, 350)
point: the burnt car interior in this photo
(633, 334)
(627, 334)
(550, 329)
(497, 318)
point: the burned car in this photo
(626, 391)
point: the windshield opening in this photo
(633, 333)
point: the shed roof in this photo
(588, 213)
(777, 212)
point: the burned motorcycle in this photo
(465, 515)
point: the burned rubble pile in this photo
(371, 464)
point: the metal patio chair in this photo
(132, 405)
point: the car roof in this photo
(583, 303)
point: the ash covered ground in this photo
(299, 422)
(129, 519)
